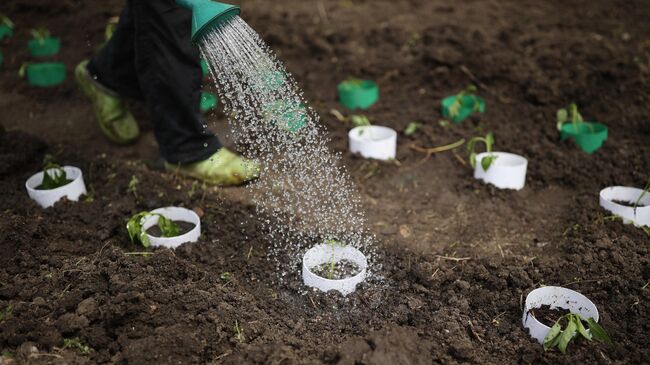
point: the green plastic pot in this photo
(45, 74)
(468, 106)
(287, 115)
(204, 68)
(208, 102)
(358, 94)
(588, 135)
(5, 32)
(44, 48)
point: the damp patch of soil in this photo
(342, 269)
(183, 226)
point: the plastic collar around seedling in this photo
(45, 48)
(5, 32)
(45, 74)
(208, 102)
(468, 106)
(589, 136)
(358, 94)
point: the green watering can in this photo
(207, 14)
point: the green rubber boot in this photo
(224, 168)
(117, 123)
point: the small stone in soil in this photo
(342, 269)
(184, 228)
(40, 187)
(627, 203)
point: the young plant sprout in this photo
(646, 189)
(360, 121)
(4, 20)
(54, 176)
(486, 161)
(136, 233)
(412, 128)
(40, 34)
(570, 115)
(560, 338)
(332, 243)
(455, 107)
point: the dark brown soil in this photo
(184, 227)
(342, 269)
(548, 316)
(458, 256)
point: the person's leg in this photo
(169, 74)
(110, 75)
(114, 65)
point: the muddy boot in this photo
(223, 168)
(117, 123)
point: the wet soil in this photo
(548, 316)
(184, 227)
(457, 256)
(342, 269)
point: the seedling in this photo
(136, 233)
(40, 34)
(412, 128)
(225, 276)
(239, 332)
(560, 338)
(486, 161)
(54, 176)
(571, 115)
(133, 186)
(5, 21)
(333, 243)
(352, 83)
(76, 344)
(456, 106)
(360, 121)
(646, 189)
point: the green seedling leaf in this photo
(598, 332)
(581, 328)
(40, 34)
(567, 336)
(360, 120)
(53, 176)
(22, 71)
(134, 228)
(4, 20)
(168, 227)
(552, 337)
(472, 159)
(76, 344)
(225, 276)
(487, 161)
(562, 116)
(412, 128)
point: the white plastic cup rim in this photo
(46, 198)
(508, 170)
(322, 254)
(373, 141)
(639, 217)
(175, 214)
(555, 297)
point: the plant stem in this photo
(638, 200)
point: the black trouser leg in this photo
(154, 48)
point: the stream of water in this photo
(302, 183)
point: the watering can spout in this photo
(207, 14)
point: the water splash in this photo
(302, 183)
